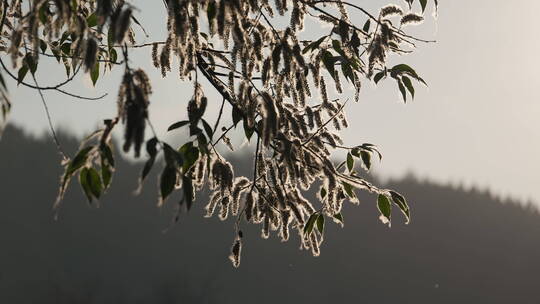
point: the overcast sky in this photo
(476, 123)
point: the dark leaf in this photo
(207, 129)
(366, 159)
(366, 26)
(147, 167)
(339, 218)
(211, 11)
(383, 204)
(320, 223)
(151, 146)
(94, 73)
(403, 68)
(308, 228)
(79, 160)
(329, 61)
(423, 3)
(349, 190)
(106, 154)
(323, 193)
(31, 62)
(178, 124)
(190, 155)
(350, 162)
(408, 84)
(236, 116)
(314, 45)
(167, 182)
(402, 90)
(22, 72)
(172, 157)
(400, 201)
(43, 12)
(187, 185)
(379, 76)
(248, 131)
(42, 45)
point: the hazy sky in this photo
(476, 123)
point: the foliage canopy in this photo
(258, 57)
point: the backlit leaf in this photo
(385, 208)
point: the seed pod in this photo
(122, 26)
(211, 207)
(236, 251)
(155, 59)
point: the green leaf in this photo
(366, 159)
(402, 90)
(94, 73)
(323, 192)
(187, 185)
(403, 68)
(350, 162)
(308, 228)
(348, 190)
(423, 3)
(400, 201)
(79, 160)
(320, 223)
(190, 155)
(178, 124)
(43, 12)
(366, 26)
(91, 21)
(106, 154)
(211, 10)
(106, 175)
(383, 204)
(113, 55)
(339, 218)
(408, 84)
(378, 76)
(85, 185)
(167, 182)
(95, 182)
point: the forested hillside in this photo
(461, 247)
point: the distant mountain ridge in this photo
(461, 247)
